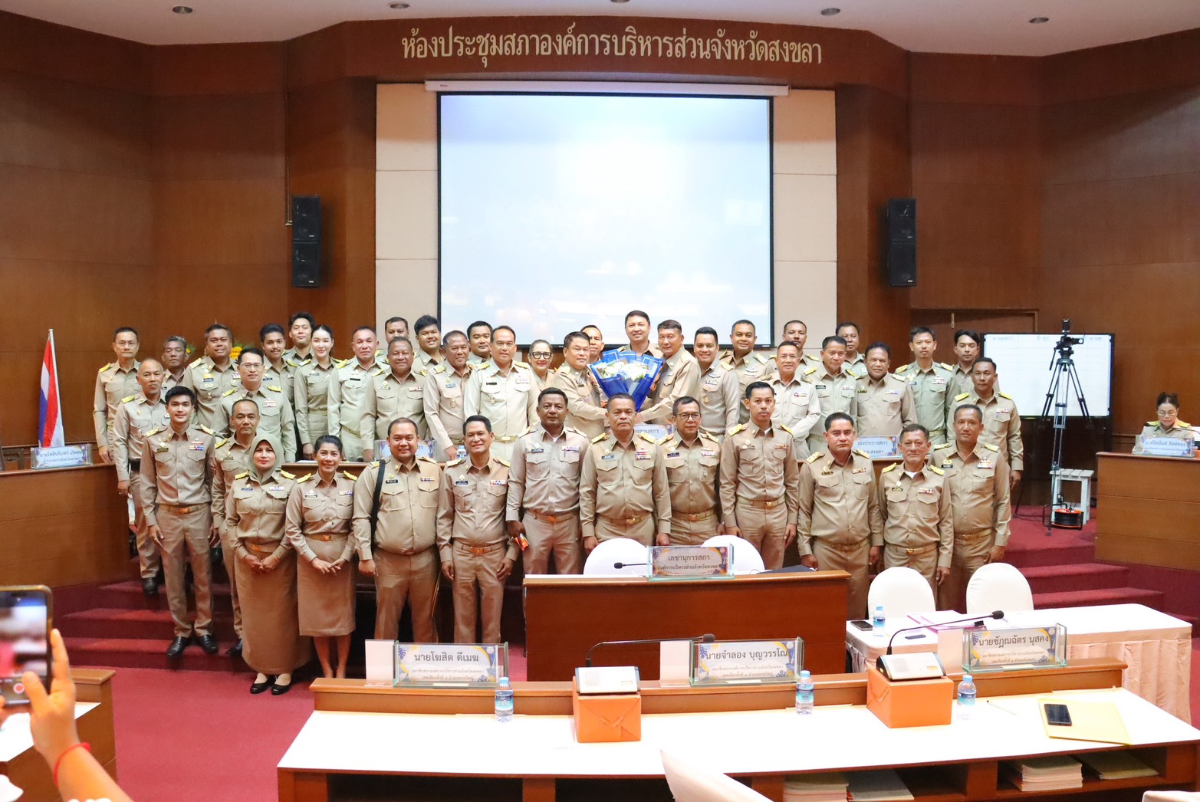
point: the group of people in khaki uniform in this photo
(533, 462)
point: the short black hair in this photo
(752, 386)
(270, 328)
(912, 334)
(801, 322)
(251, 351)
(572, 337)
(683, 399)
(129, 329)
(424, 322)
(986, 360)
(974, 335)
(399, 421)
(636, 313)
(788, 343)
(362, 328)
(395, 340)
(551, 391)
(175, 338)
(1167, 398)
(706, 330)
(914, 427)
(742, 322)
(329, 439)
(477, 419)
(880, 345)
(670, 325)
(616, 396)
(454, 333)
(590, 326)
(832, 338)
(178, 390)
(312, 323)
(848, 323)
(835, 417)
(476, 325)
(505, 327)
(394, 319)
(970, 407)
(216, 326)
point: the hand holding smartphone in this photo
(25, 622)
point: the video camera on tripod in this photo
(1065, 347)
(1063, 384)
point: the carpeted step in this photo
(1087, 598)
(112, 622)
(1082, 576)
(128, 596)
(147, 653)
(1052, 552)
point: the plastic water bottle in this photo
(966, 697)
(804, 694)
(879, 621)
(504, 701)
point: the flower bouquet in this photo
(626, 372)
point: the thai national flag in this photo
(50, 428)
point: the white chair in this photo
(603, 559)
(691, 781)
(746, 559)
(998, 586)
(901, 591)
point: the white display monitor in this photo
(1024, 365)
(560, 210)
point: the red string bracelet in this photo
(66, 752)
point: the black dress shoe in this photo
(280, 690)
(259, 687)
(209, 644)
(149, 587)
(235, 650)
(177, 646)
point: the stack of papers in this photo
(878, 786)
(828, 787)
(1044, 773)
(1116, 765)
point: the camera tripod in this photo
(1063, 384)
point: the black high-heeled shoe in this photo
(259, 687)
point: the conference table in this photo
(1156, 647)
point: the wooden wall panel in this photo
(246, 68)
(219, 137)
(970, 79)
(67, 54)
(1123, 69)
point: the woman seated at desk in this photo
(1167, 425)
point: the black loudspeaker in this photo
(306, 241)
(902, 242)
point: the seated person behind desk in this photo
(1167, 425)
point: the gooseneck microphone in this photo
(997, 614)
(619, 566)
(705, 638)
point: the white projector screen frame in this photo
(570, 306)
(1023, 363)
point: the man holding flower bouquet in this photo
(680, 374)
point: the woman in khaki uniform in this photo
(318, 396)
(541, 357)
(1167, 425)
(266, 568)
(319, 510)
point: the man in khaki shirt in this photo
(354, 378)
(429, 354)
(623, 487)
(278, 371)
(720, 394)
(503, 391)
(637, 328)
(796, 403)
(1001, 421)
(693, 460)
(397, 391)
(543, 482)
(400, 553)
(855, 363)
(584, 412)
(479, 340)
(928, 381)
(918, 532)
(137, 415)
(300, 329)
(114, 381)
(746, 363)
(680, 375)
(445, 390)
(476, 551)
(231, 457)
(275, 415)
(797, 331)
(977, 475)
(837, 390)
(176, 474)
(759, 476)
(174, 361)
(211, 376)
(840, 527)
(885, 403)
(595, 341)
(966, 348)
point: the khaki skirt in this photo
(326, 602)
(271, 641)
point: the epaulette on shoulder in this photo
(427, 459)
(520, 364)
(504, 462)
(420, 371)
(107, 366)
(933, 468)
(242, 475)
(571, 429)
(207, 430)
(862, 453)
(1005, 395)
(902, 369)
(709, 436)
(229, 392)
(274, 388)
(377, 372)
(1152, 423)
(649, 438)
(1183, 425)
(440, 369)
(664, 439)
(341, 363)
(454, 462)
(810, 371)
(221, 442)
(305, 478)
(943, 446)
(153, 431)
(786, 429)
(348, 475)
(128, 398)
(599, 437)
(962, 396)
(890, 468)
(487, 363)
(991, 447)
(814, 457)
(947, 367)
(287, 475)
(735, 430)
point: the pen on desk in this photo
(1001, 707)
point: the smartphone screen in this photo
(24, 639)
(1058, 715)
(864, 625)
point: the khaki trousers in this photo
(503, 450)
(185, 540)
(766, 530)
(400, 579)
(352, 445)
(643, 532)
(692, 533)
(149, 560)
(229, 557)
(970, 554)
(478, 592)
(852, 559)
(559, 538)
(924, 562)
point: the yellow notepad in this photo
(1090, 721)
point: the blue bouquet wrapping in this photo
(626, 372)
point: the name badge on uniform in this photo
(859, 470)
(565, 450)
(827, 472)
(354, 377)
(781, 445)
(269, 404)
(948, 464)
(311, 494)
(522, 381)
(391, 481)
(539, 450)
(821, 387)
(194, 446)
(276, 489)
(428, 479)
(912, 382)
(708, 453)
(487, 383)
(887, 392)
(499, 483)
(643, 455)
(937, 380)
(983, 463)
(796, 394)
(461, 483)
(451, 385)
(346, 493)
(246, 489)
(751, 371)
(672, 455)
(926, 491)
(162, 448)
(847, 390)
(712, 381)
(608, 456)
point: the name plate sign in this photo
(747, 662)
(1007, 648)
(61, 456)
(878, 447)
(450, 664)
(1167, 447)
(689, 562)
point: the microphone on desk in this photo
(708, 637)
(619, 566)
(997, 614)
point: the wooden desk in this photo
(1148, 510)
(566, 615)
(28, 771)
(348, 750)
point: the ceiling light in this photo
(398, 6)
(1039, 20)
(182, 9)
(829, 12)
